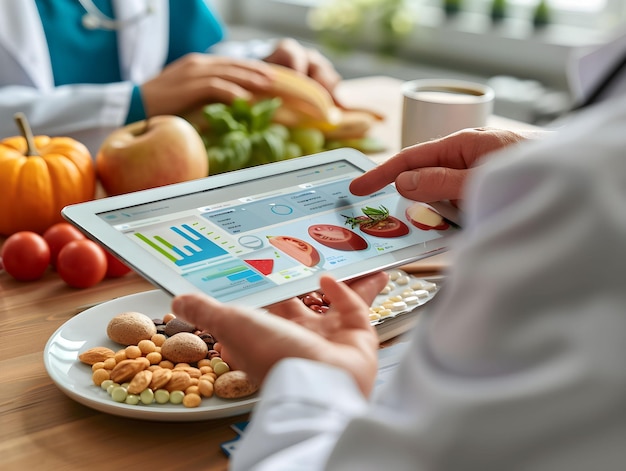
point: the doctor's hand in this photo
(197, 79)
(437, 170)
(290, 53)
(255, 341)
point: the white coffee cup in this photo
(434, 108)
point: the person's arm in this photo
(520, 362)
(306, 406)
(87, 113)
(437, 170)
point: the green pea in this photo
(176, 397)
(112, 386)
(132, 399)
(147, 396)
(162, 396)
(118, 394)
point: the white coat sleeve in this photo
(87, 113)
(519, 364)
(305, 406)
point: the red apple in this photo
(154, 152)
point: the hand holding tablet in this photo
(264, 234)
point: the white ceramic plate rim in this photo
(87, 330)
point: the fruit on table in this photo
(82, 263)
(39, 175)
(25, 255)
(297, 104)
(57, 236)
(304, 98)
(115, 267)
(154, 152)
(306, 103)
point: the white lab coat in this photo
(86, 112)
(519, 366)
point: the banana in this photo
(354, 124)
(306, 103)
(303, 95)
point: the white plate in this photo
(87, 330)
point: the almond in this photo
(140, 382)
(126, 370)
(160, 377)
(95, 355)
(179, 381)
(234, 385)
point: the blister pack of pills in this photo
(403, 294)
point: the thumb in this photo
(352, 302)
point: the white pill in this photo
(398, 306)
(394, 274)
(403, 280)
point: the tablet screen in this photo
(259, 237)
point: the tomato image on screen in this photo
(264, 265)
(426, 218)
(297, 249)
(377, 222)
(337, 237)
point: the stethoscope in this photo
(95, 19)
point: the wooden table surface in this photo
(42, 428)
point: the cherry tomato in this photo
(25, 256)
(82, 263)
(115, 267)
(57, 236)
(337, 237)
(389, 227)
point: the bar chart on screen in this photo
(186, 244)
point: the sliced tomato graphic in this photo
(263, 265)
(388, 227)
(425, 218)
(296, 248)
(337, 237)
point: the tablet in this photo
(264, 234)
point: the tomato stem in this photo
(27, 133)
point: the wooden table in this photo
(41, 428)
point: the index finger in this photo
(446, 152)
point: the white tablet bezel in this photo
(86, 216)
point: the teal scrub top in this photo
(90, 56)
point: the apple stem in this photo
(147, 126)
(27, 133)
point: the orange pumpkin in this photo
(38, 177)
